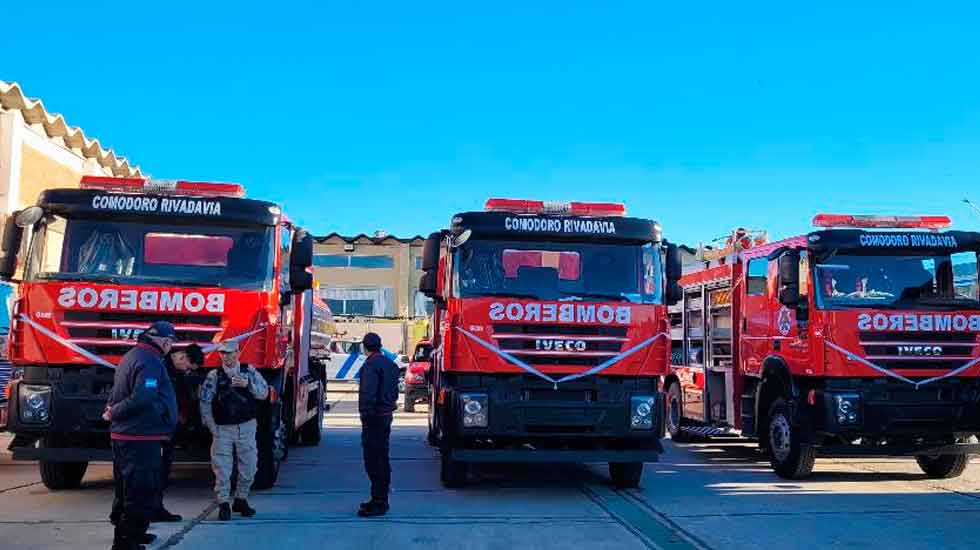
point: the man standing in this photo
(377, 400)
(178, 362)
(142, 410)
(229, 410)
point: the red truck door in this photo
(755, 316)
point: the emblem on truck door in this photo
(549, 344)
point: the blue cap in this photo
(161, 329)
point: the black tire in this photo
(61, 476)
(433, 434)
(402, 385)
(675, 415)
(312, 432)
(452, 472)
(943, 466)
(789, 456)
(409, 403)
(271, 442)
(626, 475)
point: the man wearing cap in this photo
(377, 400)
(229, 410)
(179, 363)
(142, 411)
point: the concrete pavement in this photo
(714, 495)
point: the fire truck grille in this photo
(557, 345)
(940, 351)
(114, 333)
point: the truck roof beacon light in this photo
(164, 187)
(933, 223)
(574, 208)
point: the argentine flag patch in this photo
(150, 383)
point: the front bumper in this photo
(592, 414)
(885, 408)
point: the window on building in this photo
(418, 263)
(347, 261)
(423, 305)
(360, 301)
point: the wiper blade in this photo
(509, 293)
(93, 277)
(599, 295)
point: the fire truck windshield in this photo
(912, 281)
(151, 252)
(559, 271)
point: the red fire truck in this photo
(108, 258)
(860, 338)
(550, 336)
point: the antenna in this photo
(968, 201)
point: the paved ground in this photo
(715, 495)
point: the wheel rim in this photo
(780, 437)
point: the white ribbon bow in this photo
(897, 376)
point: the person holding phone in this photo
(229, 410)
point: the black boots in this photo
(373, 508)
(164, 516)
(241, 506)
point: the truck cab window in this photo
(285, 242)
(756, 279)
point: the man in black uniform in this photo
(377, 400)
(142, 410)
(179, 362)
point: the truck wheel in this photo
(271, 440)
(943, 466)
(432, 436)
(312, 432)
(409, 403)
(626, 475)
(452, 472)
(59, 476)
(402, 385)
(675, 415)
(788, 455)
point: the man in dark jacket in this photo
(179, 362)
(142, 410)
(377, 400)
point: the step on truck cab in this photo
(105, 260)
(859, 338)
(550, 336)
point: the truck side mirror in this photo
(13, 234)
(674, 293)
(673, 268)
(430, 251)
(428, 283)
(789, 278)
(301, 255)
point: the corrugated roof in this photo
(12, 98)
(375, 240)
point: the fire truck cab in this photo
(860, 338)
(107, 259)
(550, 336)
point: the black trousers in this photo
(166, 461)
(375, 436)
(136, 472)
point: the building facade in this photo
(38, 151)
(371, 276)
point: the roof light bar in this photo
(164, 187)
(523, 206)
(933, 223)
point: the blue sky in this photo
(361, 116)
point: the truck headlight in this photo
(641, 412)
(474, 410)
(847, 408)
(35, 403)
